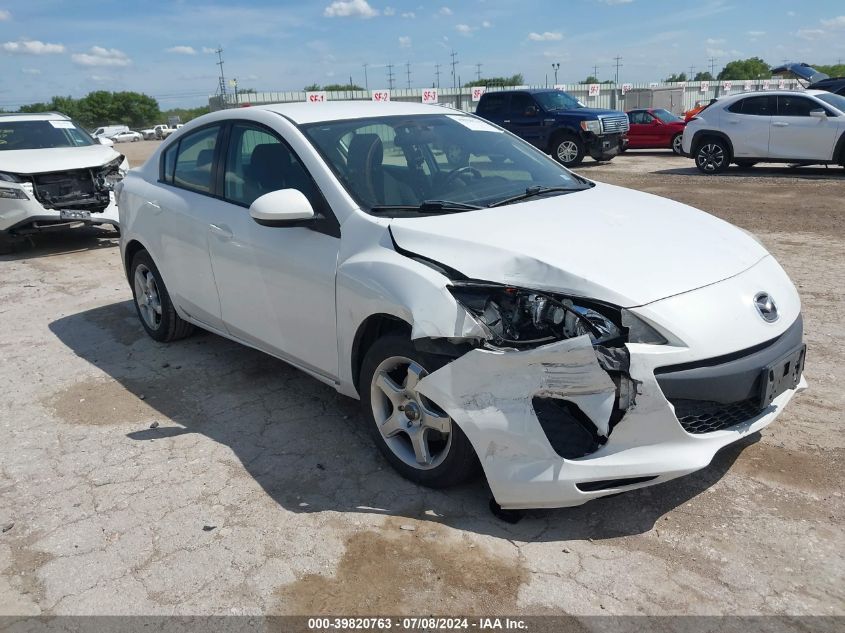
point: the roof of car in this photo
(303, 113)
(756, 93)
(33, 116)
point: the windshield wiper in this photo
(532, 192)
(427, 206)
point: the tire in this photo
(568, 150)
(392, 366)
(677, 144)
(746, 164)
(152, 302)
(712, 156)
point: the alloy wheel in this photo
(147, 296)
(567, 151)
(711, 157)
(677, 144)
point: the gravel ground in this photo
(260, 492)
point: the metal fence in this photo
(677, 97)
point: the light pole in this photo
(556, 66)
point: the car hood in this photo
(36, 161)
(586, 113)
(802, 71)
(606, 243)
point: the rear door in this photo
(796, 134)
(748, 122)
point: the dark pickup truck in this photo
(557, 123)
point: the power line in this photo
(408, 73)
(617, 59)
(596, 72)
(219, 52)
(712, 61)
(692, 73)
(437, 74)
(366, 82)
(478, 71)
(454, 62)
(390, 76)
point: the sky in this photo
(165, 48)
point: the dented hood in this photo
(607, 243)
(37, 161)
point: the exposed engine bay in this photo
(84, 189)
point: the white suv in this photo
(52, 173)
(779, 126)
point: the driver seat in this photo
(376, 185)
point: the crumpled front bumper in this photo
(21, 214)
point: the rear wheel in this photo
(152, 302)
(418, 438)
(712, 156)
(568, 150)
(678, 144)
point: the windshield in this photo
(557, 100)
(666, 116)
(837, 101)
(406, 161)
(42, 135)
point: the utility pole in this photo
(437, 74)
(390, 76)
(478, 71)
(691, 73)
(617, 59)
(219, 52)
(366, 83)
(408, 73)
(454, 62)
(556, 67)
(712, 61)
(596, 72)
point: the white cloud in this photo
(182, 50)
(409, 15)
(810, 34)
(546, 36)
(713, 42)
(835, 23)
(350, 9)
(99, 56)
(791, 14)
(389, 11)
(445, 11)
(30, 71)
(5, 15)
(464, 29)
(208, 49)
(756, 33)
(404, 41)
(33, 47)
(486, 24)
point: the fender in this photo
(839, 150)
(703, 133)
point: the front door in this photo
(276, 284)
(526, 119)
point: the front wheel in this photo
(712, 156)
(678, 144)
(152, 302)
(568, 150)
(418, 438)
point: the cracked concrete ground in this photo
(260, 492)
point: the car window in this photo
(754, 106)
(42, 134)
(640, 117)
(194, 160)
(520, 103)
(258, 162)
(836, 100)
(792, 105)
(493, 104)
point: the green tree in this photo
(589, 80)
(184, 114)
(751, 68)
(342, 87)
(834, 70)
(513, 80)
(704, 76)
(312, 88)
(676, 77)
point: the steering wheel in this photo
(462, 171)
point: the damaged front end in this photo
(80, 189)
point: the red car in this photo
(655, 128)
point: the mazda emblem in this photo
(766, 307)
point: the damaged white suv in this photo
(575, 339)
(53, 174)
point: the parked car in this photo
(699, 106)
(557, 123)
(815, 80)
(148, 133)
(53, 174)
(802, 127)
(163, 130)
(108, 131)
(655, 128)
(575, 338)
(127, 136)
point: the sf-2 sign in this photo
(381, 96)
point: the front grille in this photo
(616, 124)
(702, 416)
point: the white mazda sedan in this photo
(572, 339)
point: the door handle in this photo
(222, 231)
(780, 124)
(506, 121)
(155, 205)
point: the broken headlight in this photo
(521, 317)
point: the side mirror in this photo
(818, 114)
(102, 140)
(281, 208)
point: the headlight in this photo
(521, 317)
(591, 126)
(13, 194)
